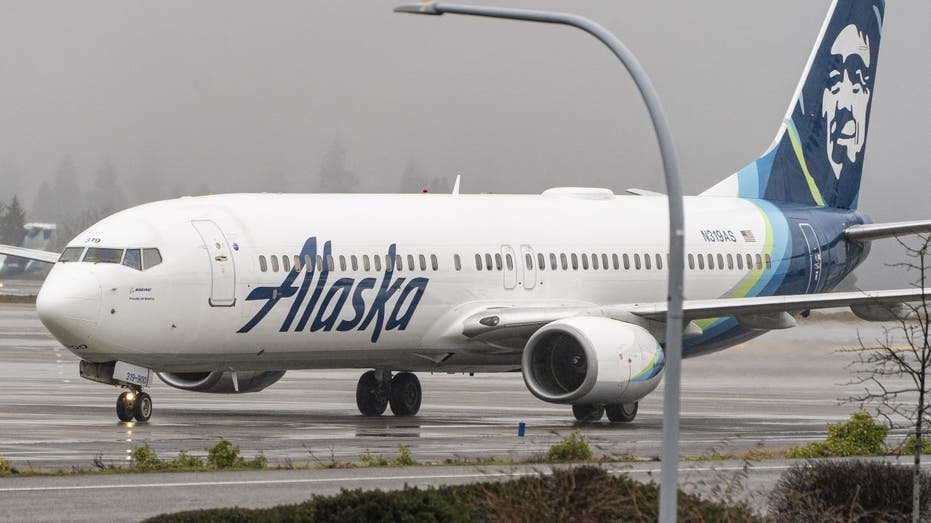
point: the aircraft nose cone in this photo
(69, 304)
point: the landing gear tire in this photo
(622, 412)
(142, 407)
(124, 407)
(372, 394)
(588, 413)
(404, 394)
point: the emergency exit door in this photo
(222, 270)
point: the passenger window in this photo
(604, 262)
(354, 262)
(509, 261)
(659, 262)
(730, 262)
(150, 258)
(701, 262)
(329, 263)
(528, 261)
(575, 261)
(308, 263)
(435, 263)
(564, 261)
(342, 263)
(710, 262)
(319, 261)
(740, 262)
(285, 263)
(691, 262)
(595, 262)
(488, 263)
(377, 262)
(749, 262)
(133, 259)
(478, 262)
(297, 263)
(263, 266)
(274, 263)
(646, 262)
(410, 263)
(720, 262)
(585, 261)
(366, 265)
(626, 262)
(498, 263)
(637, 264)
(423, 262)
(457, 262)
(759, 262)
(553, 265)
(71, 254)
(541, 261)
(398, 263)
(100, 255)
(769, 262)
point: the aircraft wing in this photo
(510, 322)
(32, 254)
(874, 231)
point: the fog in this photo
(219, 96)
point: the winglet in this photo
(456, 185)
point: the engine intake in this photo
(221, 382)
(592, 360)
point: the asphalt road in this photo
(777, 391)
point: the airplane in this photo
(225, 293)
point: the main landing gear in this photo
(377, 389)
(617, 412)
(134, 404)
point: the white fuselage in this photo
(190, 312)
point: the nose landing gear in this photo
(377, 389)
(134, 404)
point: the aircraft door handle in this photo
(220, 258)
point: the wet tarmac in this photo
(776, 391)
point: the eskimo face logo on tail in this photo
(846, 98)
(386, 305)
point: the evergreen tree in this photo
(334, 175)
(12, 220)
(106, 196)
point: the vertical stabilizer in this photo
(817, 157)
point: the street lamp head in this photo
(424, 8)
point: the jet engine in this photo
(592, 360)
(221, 382)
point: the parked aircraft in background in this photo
(226, 293)
(38, 237)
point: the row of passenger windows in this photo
(139, 259)
(602, 261)
(491, 262)
(353, 262)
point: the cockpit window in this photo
(71, 254)
(133, 258)
(151, 258)
(102, 255)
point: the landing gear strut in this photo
(377, 389)
(134, 404)
(588, 413)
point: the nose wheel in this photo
(134, 404)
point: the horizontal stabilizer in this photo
(31, 254)
(875, 231)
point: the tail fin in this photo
(817, 157)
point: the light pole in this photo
(670, 463)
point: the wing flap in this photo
(32, 254)
(874, 231)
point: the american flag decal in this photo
(748, 235)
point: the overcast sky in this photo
(223, 92)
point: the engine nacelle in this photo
(592, 360)
(221, 382)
